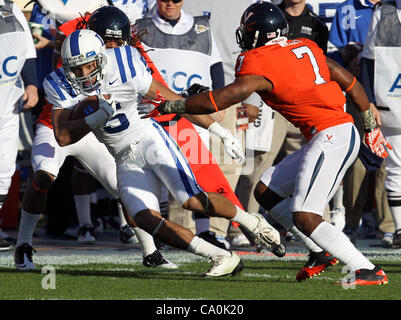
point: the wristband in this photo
(175, 106)
(213, 101)
(95, 119)
(368, 121)
(351, 85)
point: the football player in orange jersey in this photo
(295, 78)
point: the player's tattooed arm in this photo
(368, 120)
(220, 99)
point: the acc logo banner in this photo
(180, 80)
(396, 85)
(8, 68)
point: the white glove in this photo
(231, 144)
(104, 113)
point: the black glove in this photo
(194, 89)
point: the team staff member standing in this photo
(293, 77)
(348, 34)
(303, 23)
(183, 49)
(17, 80)
(380, 75)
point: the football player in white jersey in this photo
(145, 154)
(17, 80)
(47, 159)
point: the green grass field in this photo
(260, 280)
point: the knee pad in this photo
(42, 181)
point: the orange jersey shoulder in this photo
(303, 91)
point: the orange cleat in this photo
(318, 261)
(365, 277)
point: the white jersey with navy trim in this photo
(127, 76)
(146, 156)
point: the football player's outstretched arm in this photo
(203, 121)
(227, 96)
(220, 99)
(158, 89)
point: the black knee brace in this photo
(42, 181)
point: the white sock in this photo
(394, 202)
(338, 198)
(205, 249)
(146, 241)
(82, 205)
(244, 219)
(309, 243)
(396, 213)
(335, 242)
(121, 215)
(281, 212)
(27, 227)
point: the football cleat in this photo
(127, 235)
(317, 262)
(240, 241)
(156, 260)
(265, 235)
(337, 218)
(223, 266)
(98, 226)
(86, 234)
(364, 277)
(387, 240)
(23, 257)
(397, 239)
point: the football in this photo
(85, 108)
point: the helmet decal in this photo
(74, 43)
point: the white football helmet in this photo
(79, 48)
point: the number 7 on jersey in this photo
(300, 54)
